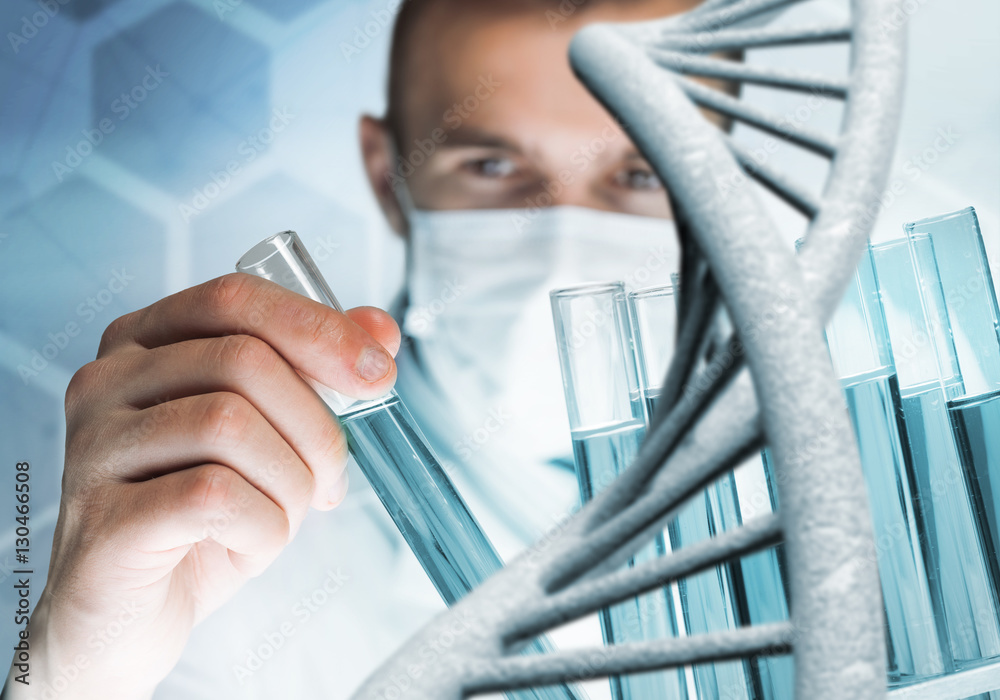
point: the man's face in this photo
(493, 117)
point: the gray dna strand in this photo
(778, 389)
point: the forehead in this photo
(505, 70)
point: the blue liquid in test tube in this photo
(608, 426)
(395, 458)
(949, 515)
(765, 582)
(861, 354)
(950, 258)
(747, 591)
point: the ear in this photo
(377, 152)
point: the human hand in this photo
(194, 450)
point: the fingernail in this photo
(374, 364)
(338, 490)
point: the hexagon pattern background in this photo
(146, 144)
(117, 119)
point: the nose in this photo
(575, 162)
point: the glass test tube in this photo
(607, 423)
(961, 263)
(861, 353)
(748, 591)
(950, 516)
(957, 258)
(395, 458)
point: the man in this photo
(195, 449)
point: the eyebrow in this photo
(474, 137)
(464, 136)
(634, 154)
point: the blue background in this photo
(152, 200)
(130, 204)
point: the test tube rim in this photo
(892, 243)
(284, 238)
(660, 290)
(937, 219)
(587, 288)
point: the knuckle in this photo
(116, 332)
(278, 533)
(325, 327)
(297, 485)
(303, 492)
(210, 488)
(84, 382)
(227, 295)
(335, 439)
(150, 422)
(246, 356)
(283, 531)
(224, 418)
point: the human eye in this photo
(493, 167)
(638, 178)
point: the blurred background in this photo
(146, 144)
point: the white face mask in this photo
(481, 321)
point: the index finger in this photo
(322, 343)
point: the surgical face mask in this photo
(481, 321)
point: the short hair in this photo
(404, 31)
(403, 34)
